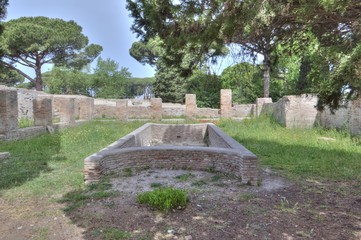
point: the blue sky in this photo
(104, 22)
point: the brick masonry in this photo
(197, 147)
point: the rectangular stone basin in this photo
(174, 146)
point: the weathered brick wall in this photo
(355, 122)
(8, 110)
(243, 110)
(208, 113)
(126, 153)
(339, 119)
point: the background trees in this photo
(306, 46)
(35, 41)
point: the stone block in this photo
(191, 105)
(8, 110)
(43, 113)
(156, 109)
(122, 109)
(259, 105)
(355, 121)
(65, 107)
(226, 103)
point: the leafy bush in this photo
(164, 199)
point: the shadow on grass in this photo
(28, 159)
(299, 161)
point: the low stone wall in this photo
(136, 151)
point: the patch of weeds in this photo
(128, 172)
(115, 234)
(216, 178)
(212, 169)
(285, 206)
(25, 122)
(164, 199)
(246, 197)
(43, 234)
(79, 198)
(184, 177)
(156, 185)
(199, 183)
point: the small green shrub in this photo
(164, 199)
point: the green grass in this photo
(115, 234)
(25, 122)
(300, 153)
(50, 165)
(164, 199)
(184, 177)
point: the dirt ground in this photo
(219, 208)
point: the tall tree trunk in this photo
(266, 73)
(38, 77)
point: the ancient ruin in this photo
(174, 146)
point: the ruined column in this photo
(191, 106)
(65, 107)
(122, 109)
(259, 104)
(156, 108)
(43, 111)
(355, 121)
(8, 110)
(226, 103)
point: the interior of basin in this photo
(177, 135)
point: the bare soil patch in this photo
(220, 207)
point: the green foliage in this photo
(25, 122)
(35, 41)
(245, 80)
(206, 87)
(184, 177)
(140, 86)
(108, 80)
(67, 81)
(9, 77)
(169, 85)
(164, 199)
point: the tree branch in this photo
(8, 65)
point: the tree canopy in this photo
(35, 41)
(323, 38)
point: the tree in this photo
(206, 86)
(245, 80)
(108, 80)
(258, 26)
(172, 69)
(67, 81)
(35, 41)
(3, 5)
(9, 77)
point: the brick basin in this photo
(174, 146)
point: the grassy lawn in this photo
(300, 153)
(48, 170)
(50, 165)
